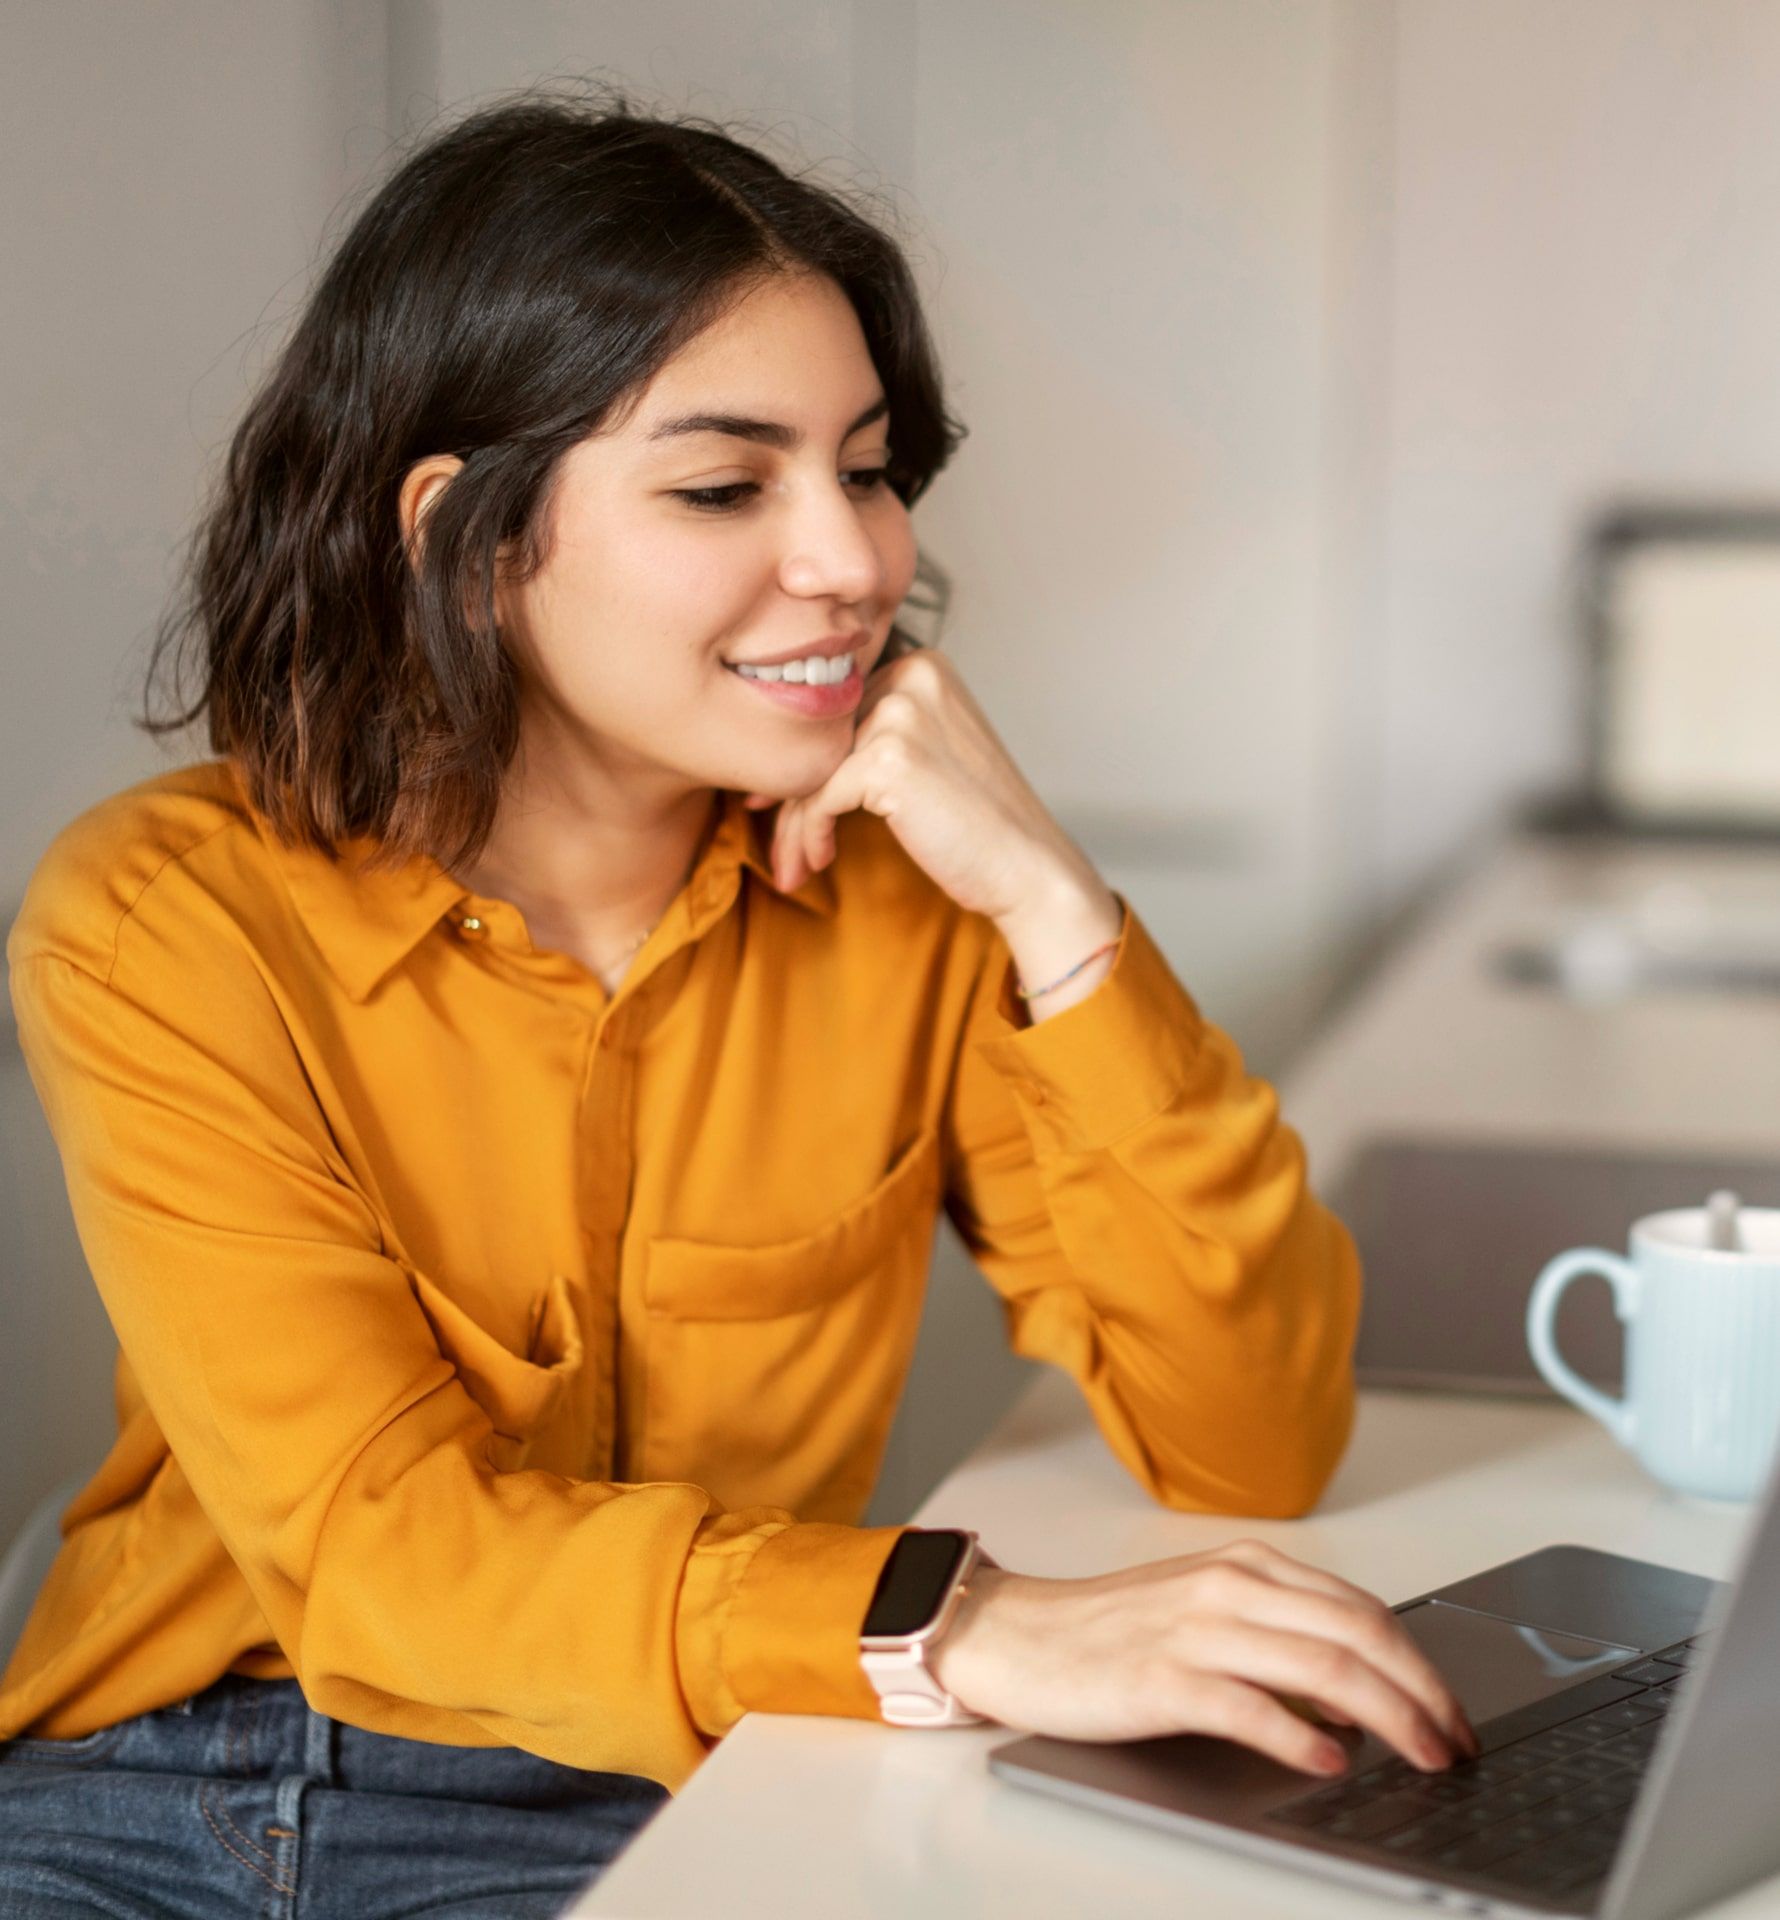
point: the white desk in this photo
(805, 1816)
(812, 1819)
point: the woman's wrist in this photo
(1075, 914)
(960, 1653)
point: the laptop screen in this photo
(1453, 1232)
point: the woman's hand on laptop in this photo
(1206, 1643)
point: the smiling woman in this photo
(511, 1174)
(555, 306)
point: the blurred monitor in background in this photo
(1692, 706)
(1682, 624)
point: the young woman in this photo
(507, 1091)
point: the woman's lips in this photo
(819, 703)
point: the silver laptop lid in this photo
(1705, 1820)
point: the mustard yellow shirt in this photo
(510, 1362)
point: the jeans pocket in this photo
(82, 1749)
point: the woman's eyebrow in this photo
(770, 433)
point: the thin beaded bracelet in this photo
(1033, 993)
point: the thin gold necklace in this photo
(641, 939)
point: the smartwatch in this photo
(918, 1593)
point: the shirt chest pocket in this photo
(773, 1371)
(538, 1400)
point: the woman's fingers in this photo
(1261, 1556)
(880, 677)
(789, 866)
(1304, 1663)
(817, 830)
(1218, 1704)
(1323, 1710)
(1370, 1636)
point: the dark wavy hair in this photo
(515, 280)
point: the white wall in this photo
(1131, 208)
(169, 169)
(168, 172)
(1583, 297)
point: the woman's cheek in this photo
(714, 583)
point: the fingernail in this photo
(1330, 1758)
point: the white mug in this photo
(1701, 1408)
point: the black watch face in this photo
(914, 1581)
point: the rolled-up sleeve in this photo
(338, 1453)
(1134, 1196)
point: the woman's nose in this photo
(830, 550)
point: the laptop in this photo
(1452, 1233)
(1629, 1716)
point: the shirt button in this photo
(1033, 1092)
(469, 924)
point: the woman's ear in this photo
(421, 486)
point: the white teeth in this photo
(812, 670)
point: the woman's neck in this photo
(590, 872)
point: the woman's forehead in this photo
(789, 356)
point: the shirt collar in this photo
(365, 924)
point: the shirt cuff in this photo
(1106, 1064)
(790, 1639)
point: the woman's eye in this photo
(718, 498)
(724, 499)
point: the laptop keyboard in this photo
(1543, 1810)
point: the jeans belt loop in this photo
(320, 1755)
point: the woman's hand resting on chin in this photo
(926, 759)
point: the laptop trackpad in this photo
(1497, 1665)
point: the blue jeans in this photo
(243, 1800)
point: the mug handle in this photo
(1614, 1415)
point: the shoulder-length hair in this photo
(515, 280)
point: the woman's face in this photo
(626, 637)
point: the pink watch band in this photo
(909, 1694)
